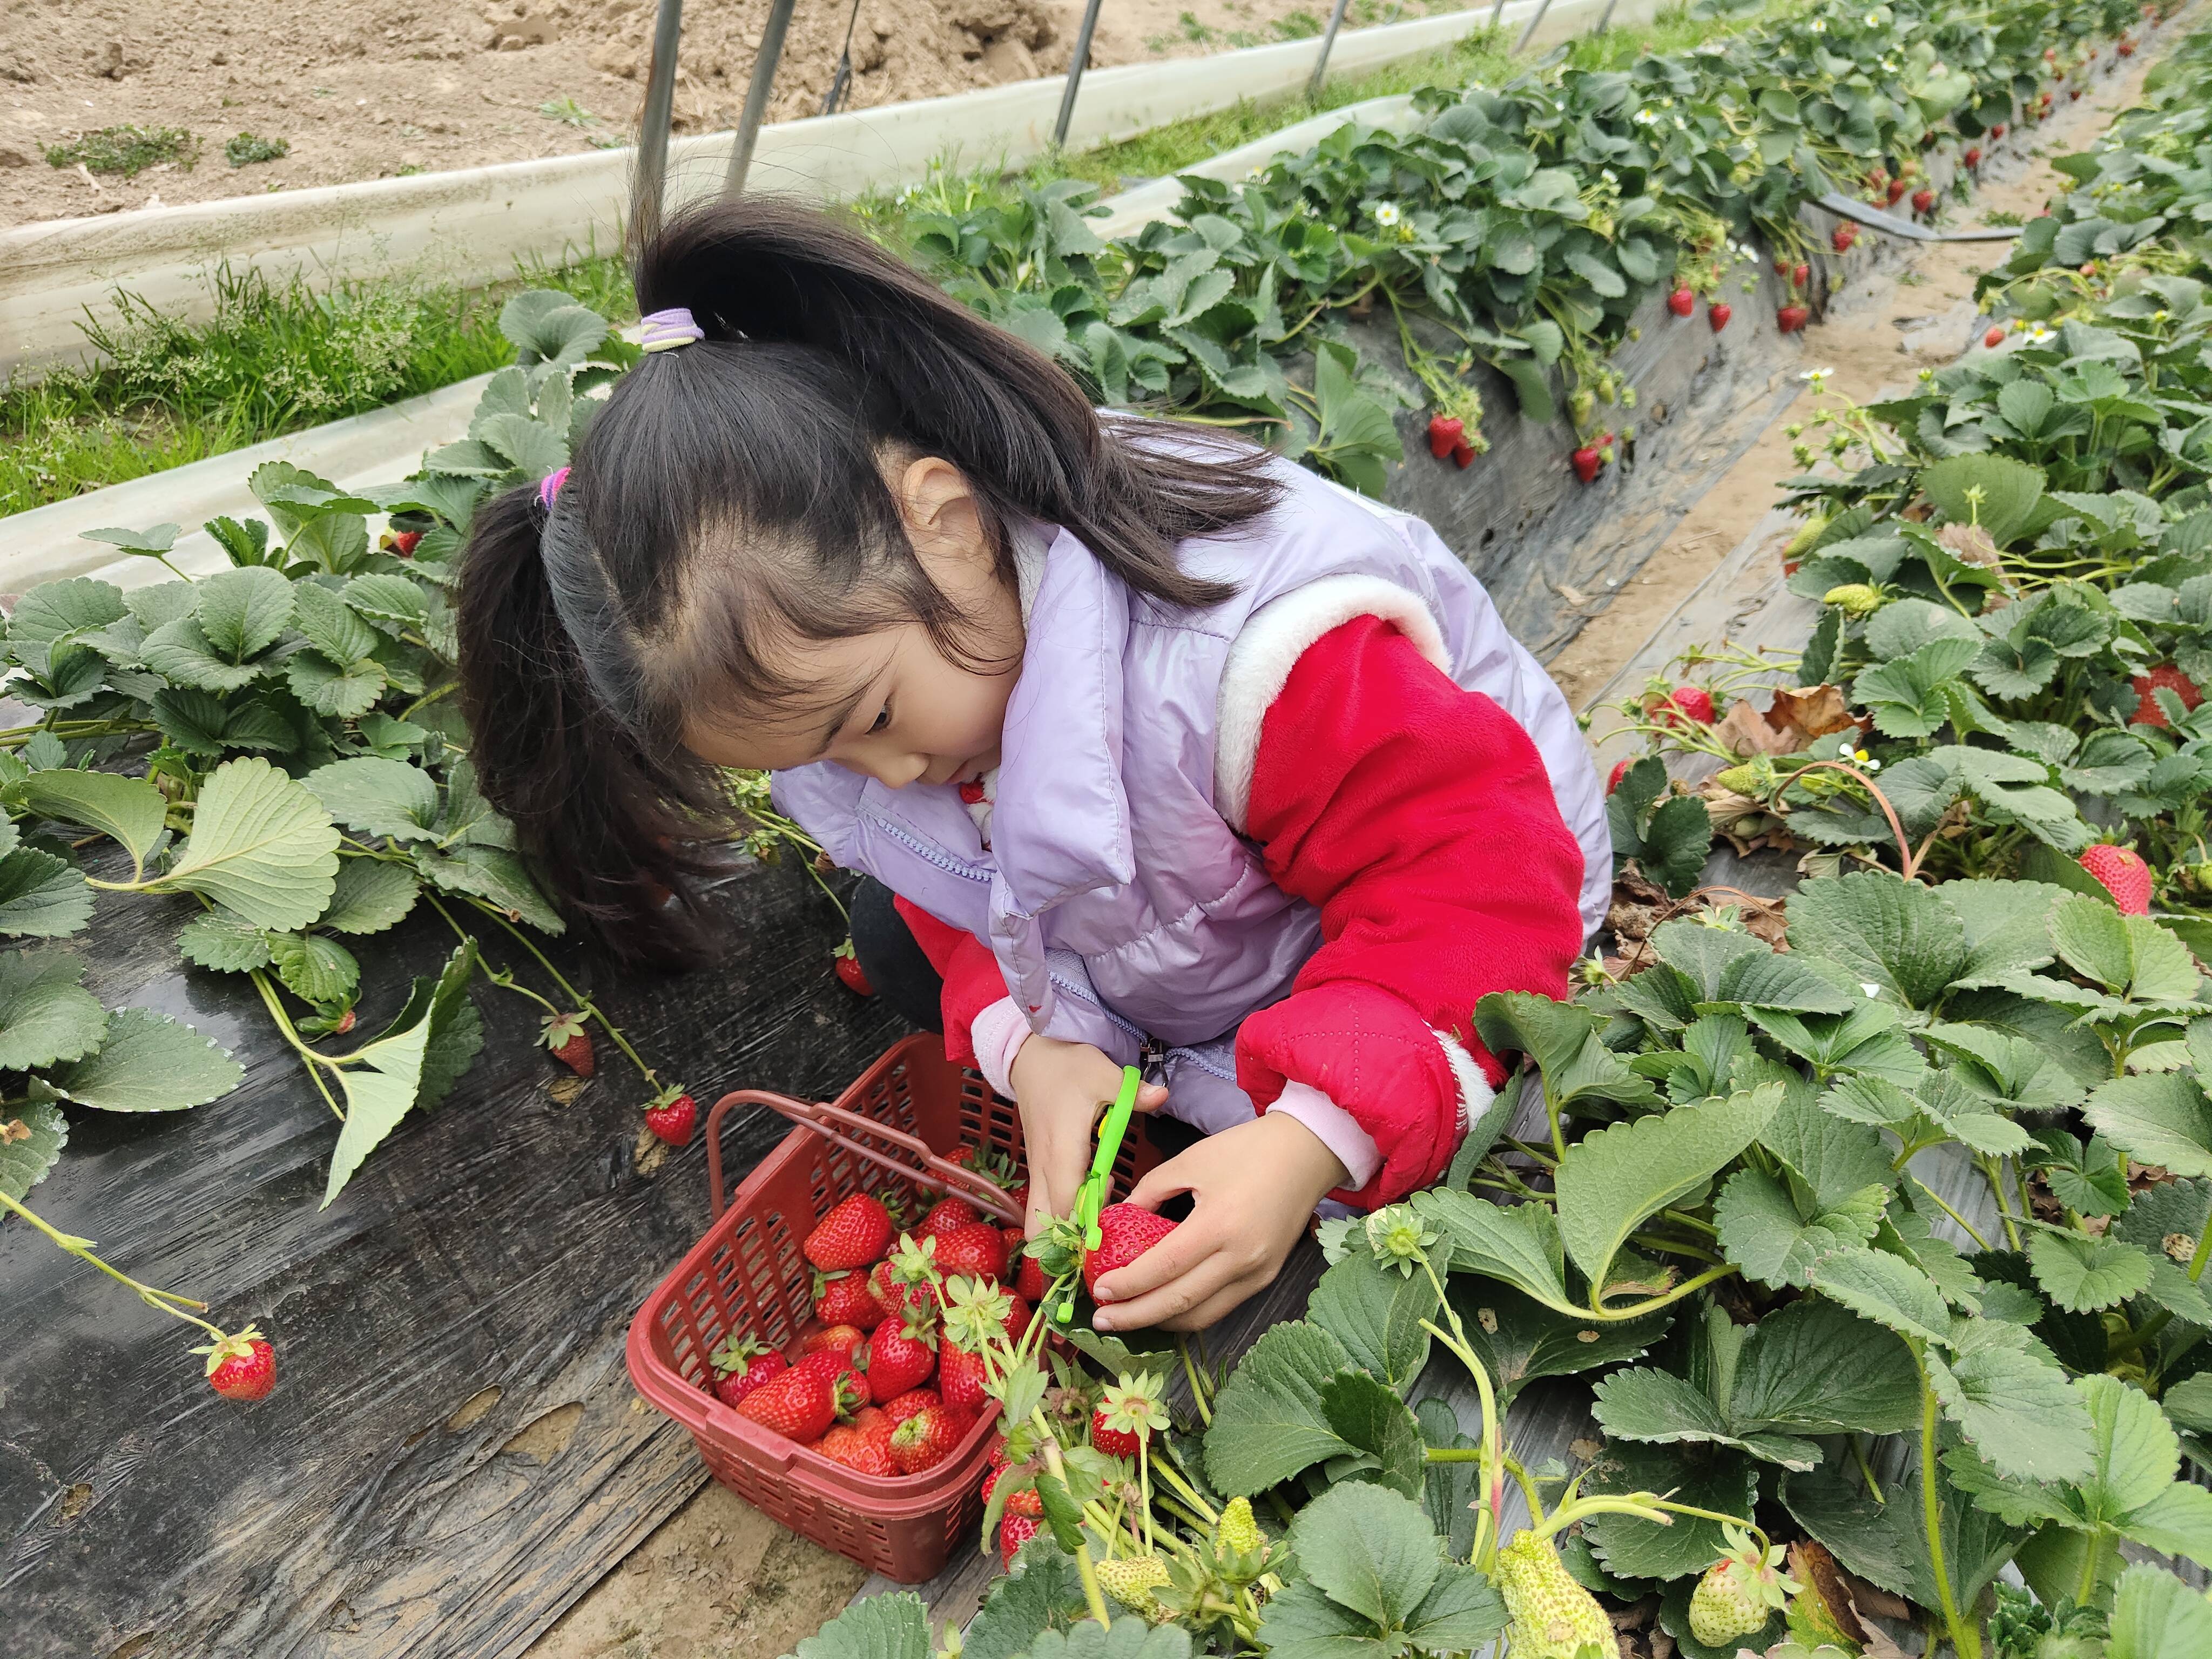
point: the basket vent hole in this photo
(473, 1410)
(546, 1438)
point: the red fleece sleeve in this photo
(972, 980)
(1418, 817)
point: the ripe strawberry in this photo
(906, 1281)
(900, 1359)
(2122, 872)
(943, 1216)
(1791, 318)
(1014, 1531)
(960, 1378)
(240, 1367)
(1801, 274)
(800, 1405)
(1995, 337)
(1612, 778)
(740, 1364)
(1718, 316)
(1125, 1232)
(848, 1389)
(1897, 189)
(1973, 155)
(849, 971)
(1691, 702)
(564, 1033)
(1996, 132)
(1030, 1281)
(1464, 454)
(2161, 676)
(1128, 1414)
(404, 541)
(672, 1115)
(1682, 301)
(928, 1438)
(1016, 1241)
(845, 1298)
(1018, 1319)
(1586, 461)
(843, 1340)
(855, 1234)
(974, 1250)
(897, 1409)
(856, 1448)
(1445, 435)
(874, 1420)
(1924, 202)
(1843, 236)
(1028, 1501)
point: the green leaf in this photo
(2080, 1274)
(153, 542)
(179, 653)
(379, 797)
(1459, 1615)
(2156, 1616)
(44, 1014)
(1377, 1313)
(223, 941)
(1766, 979)
(368, 896)
(129, 809)
(2016, 1410)
(148, 1062)
(1610, 1182)
(1268, 1422)
(55, 611)
(24, 1162)
(1816, 1368)
(1886, 931)
(2162, 1119)
(313, 968)
(41, 896)
(1716, 1478)
(241, 613)
(330, 625)
(379, 1079)
(1365, 1412)
(498, 878)
(389, 599)
(1044, 1592)
(894, 1624)
(1995, 491)
(1877, 1286)
(1886, 1542)
(1775, 1241)
(1520, 1244)
(345, 693)
(1302, 1623)
(1519, 1339)
(260, 844)
(1367, 1549)
(456, 1029)
(1644, 1403)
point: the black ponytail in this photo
(731, 499)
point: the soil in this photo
(369, 89)
(1877, 334)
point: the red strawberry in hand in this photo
(1014, 1531)
(974, 1251)
(1445, 432)
(1682, 301)
(2121, 873)
(742, 1363)
(1718, 315)
(1125, 1232)
(853, 1235)
(1586, 461)
(945, 1215)
(564, 1033)
(2162, 676)
(240, 1367)
(800, 1404)
(900, 1360)
(672, 1115)
(849, 971)
(927, 1438)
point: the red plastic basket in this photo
(747, 1276)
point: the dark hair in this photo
(730, 495)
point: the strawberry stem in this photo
(290, 1033)
(161, 1301)
(583, 1003)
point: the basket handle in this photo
(836, 1123)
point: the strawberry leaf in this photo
(225, 943)
(1376, 1314)
(894, 1624)
(1518, 1243)
(1519, 1339)
(1044, 1592)
(368, 896)
(44, 1014)
(2081, 1274)
(1366, 1414)
(129, 810)
(2154, 1613)
(41, 896)
(1268, 1422)
(26, 1158)
(148, 1062)
(2163, 1119)
(260, 844)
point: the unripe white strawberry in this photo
(1553, 1617)
(1739, 1593)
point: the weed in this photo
(247, 148)
(568, 111)
(129, 150)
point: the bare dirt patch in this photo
(369, 89)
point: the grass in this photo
(273, 359)
(248, 147)
(127, 150)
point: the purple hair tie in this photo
(549, 486)
(665, 331)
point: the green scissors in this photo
(1091, 1196)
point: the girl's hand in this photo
(1061, 1088)
(1255, 1187)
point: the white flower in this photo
(1817, 376)
(1608, 175)
(1681, 125)
(1873, 20)
(1387, 215)
(1644, 118)
(1874, 765)
(1820, 27)
(1558, 106)
(1254, 176)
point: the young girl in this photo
(1172, 752)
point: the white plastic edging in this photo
(473, 225)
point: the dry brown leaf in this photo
(1747, 732)
(1814, 710)
(1810, 1565)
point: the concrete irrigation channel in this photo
(456, 1455)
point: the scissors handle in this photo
(1116, 1126)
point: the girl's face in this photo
(892, 706)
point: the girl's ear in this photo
(943, 517)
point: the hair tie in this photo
(549, 486)
(665, 331)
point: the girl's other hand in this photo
(1061, 1088)
(1254, 1189)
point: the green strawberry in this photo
(1553, 1617)
(1739, 1592)
(1132, 1580)
(1237, 1531)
